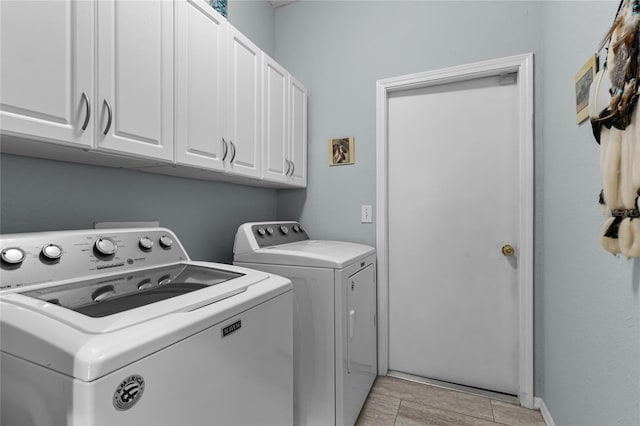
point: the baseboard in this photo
(538, 404)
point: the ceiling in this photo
(278, 3)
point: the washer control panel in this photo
(37, 258)
(276, 233)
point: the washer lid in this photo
(89, 347)
(310, 253)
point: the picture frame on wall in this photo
(341, 151)
(583, 81)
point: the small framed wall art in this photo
(341, 151)
(584, 77)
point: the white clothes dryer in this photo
(334, 286)
(120, 327)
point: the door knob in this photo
(508, 250)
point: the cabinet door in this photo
(46, 83)
(243, 104)
(298, 138)
(200, 77)
(135, 77)
(276, 165)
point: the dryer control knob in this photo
(145, 243)
(12, 255)
(105, 246)
(269, 230)
(261, 232)
(284, 229)
(296, 228)
(166, 241)
(51, 252)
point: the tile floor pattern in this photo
(396, 402)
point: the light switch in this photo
(366, 214)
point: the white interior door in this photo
(453, 203)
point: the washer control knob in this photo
(145, 284)
(284, 229)
(296, 228)
(51, 252)
(166, 241)
(145, 243)
(12, 255)
(261, 232)
(164, 280)
(105, 246)
(269, 230)
(103, 293)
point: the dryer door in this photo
(361, 310)
(361, 339)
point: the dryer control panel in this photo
(255, 235)
(41, 257)
(276, 233)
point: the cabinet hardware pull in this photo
(226, 149)
(233, 157)
(106, 130)
(293, 168)
(288, 167)
(88, 115)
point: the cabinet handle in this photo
(293, 168)
(233, 157)
(288, 167)
(226, 149)
(106, 130)
(88, 107)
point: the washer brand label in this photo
(231, 328)
(128, 392)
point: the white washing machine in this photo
(120, 327)
(334, 285)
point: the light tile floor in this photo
(396, 402)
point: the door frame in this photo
(523, 66)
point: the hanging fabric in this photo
(615, 118)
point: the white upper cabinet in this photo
(298, 135)
(200, 85)
(276, 164)
(149, 83)
(243, 106)
(135, 78)
(285, 126)
(46, 83)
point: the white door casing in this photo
(523, 66)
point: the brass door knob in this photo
(508, 250)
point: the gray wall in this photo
(256, 20)
(587, 306)
(42, 195)
(340, 49)
(587, 301)
(37, 195)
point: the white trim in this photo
(523, 65)
(538, 404)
